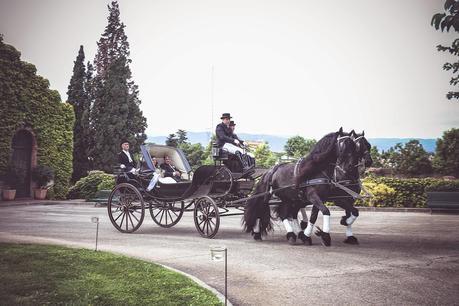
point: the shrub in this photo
(382, 195)
(406, 192)
(42, 175)
(107, 183)
(87, 186)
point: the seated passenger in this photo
(250, 158)
(170, 170)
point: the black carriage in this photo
(210, 191)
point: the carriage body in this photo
(208, 191)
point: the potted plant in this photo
(43, 176)
(12, 180)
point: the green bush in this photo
(42, 175)
(382, 194)
(397, 192)
(87, 186)
(108, 182)
(442, 185)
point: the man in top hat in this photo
(125, 158)
(232, 127)
(226, 140)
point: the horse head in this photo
(346, 156)
(363, 148)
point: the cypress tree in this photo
(115, 114)
(78, 99)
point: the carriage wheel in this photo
(206, 217)
(223, 174)
(126, 208)
(166, 214)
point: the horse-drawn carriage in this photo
(212, 190)
(209, 191)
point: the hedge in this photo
(87, 186)
(397, 192)
(26, 102)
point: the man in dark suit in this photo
(170, 170)
(125, 158)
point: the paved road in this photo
(403, 258)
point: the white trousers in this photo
(233, 149)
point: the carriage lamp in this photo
(218, 253)
(96, 220)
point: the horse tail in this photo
(256, 206)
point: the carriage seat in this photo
(219, 153)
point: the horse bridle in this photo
(362, 160)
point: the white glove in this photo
(236, 141)
(135, 171)
(122, 166)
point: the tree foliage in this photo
(446, 160)
(115, 114)
(444, 22)
(78, 98)
(376, 157)
(410, 159)
(298, 146)
(264, 157)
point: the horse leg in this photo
(304, 223)
(256, 230)
(325, 232)
(351, 215)
(304, 220)
(285, 217)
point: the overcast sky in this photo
(280, 67)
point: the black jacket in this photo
(169, 171)
(224, 135)
(124, 160)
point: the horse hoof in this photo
(351, 240)
(257, 236)
(305, 239)
(326, 239)
(343, 221)
(291, 237)
(303, 225)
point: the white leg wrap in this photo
(326, 225)
(308, 230)
(351, 219)
(349, 231)
(287, 225)
(256, 227)
(296, 226)
(304, 214)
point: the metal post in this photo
(97, 234)
(226, 275)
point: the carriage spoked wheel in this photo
(166, 213)
(206, 217)
(126, 208)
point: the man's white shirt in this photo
(128, 155)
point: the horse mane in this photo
(323, 147)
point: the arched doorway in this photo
(21, 159)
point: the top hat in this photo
(226, 115)
(232, 123)
(124, 141)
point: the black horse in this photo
(301, 184)
(344, 200)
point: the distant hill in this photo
(277, 143)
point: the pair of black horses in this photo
(337, 157)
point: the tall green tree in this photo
(172, 140)
(446, 21)
(446, 160)
(409, 159)
(181, 136)
(376, 157)
(298, 146)
(78, 98)
(115, 114)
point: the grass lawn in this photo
(38, 275)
